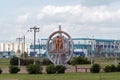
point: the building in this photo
(8, 49)
(87, 47)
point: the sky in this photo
(79, 18)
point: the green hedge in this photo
(110, 68)
(14, 60)
(13, 69)
(95, 68)
(46, 61)
(79, 60)
(52, 69)
(0, 70)
(34, 69)
(23, 62)
(60, 69)
(118, 68)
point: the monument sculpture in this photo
(59, 47)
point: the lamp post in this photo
(34, 29)
(19, 39)
(40, 55)
(8, 50)
(92, 49)
(24, 38)
(116, 43)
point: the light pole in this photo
(92, 50)
(115, 51)
(24, 38)
(8, 50)
(19, 39)
(40, 55)
(35, 29)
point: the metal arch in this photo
(71, 43)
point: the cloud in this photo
(23, 18)
(78, 13)
(82, 21)
(78, 20)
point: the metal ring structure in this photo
(67, 56)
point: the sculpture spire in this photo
(59, 27)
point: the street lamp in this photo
(92, 50)
(24, 43)
(8, 50)
(34, 29)
(19, 39)
(40, 55)
(116, 43)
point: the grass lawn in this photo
(66, 76)
(4, 63)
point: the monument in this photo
(59, 47)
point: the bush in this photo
(73, 61)
(60, 69)
(51, 69)
(79, 60)
(118, 68)
(113, 68)
(14, 60)
(46, 61)
(14, 69)
(110, 68)
(95, 68)
(27, 61)
(34, 69)
(23, 62)
(107, 68)
(0, 70)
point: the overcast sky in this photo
(79, 18)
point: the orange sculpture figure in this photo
(58, 43)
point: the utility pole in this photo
(8, 50)
(34, 29)
(24, 46)
(19, 40)
(24, 38)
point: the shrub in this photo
(27, 61)
(74, 61)
(51, 69)
(60, 69)
(34, 69)
(107, 68)
(95, 68)
(112, 68)
(46, 61)
(14, 69)
(118, 68)
(0, 70)
(14, 60)
(79, 60)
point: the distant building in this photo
(10, 49)
(87, 47)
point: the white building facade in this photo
(8, 49)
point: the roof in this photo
(99, 40)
